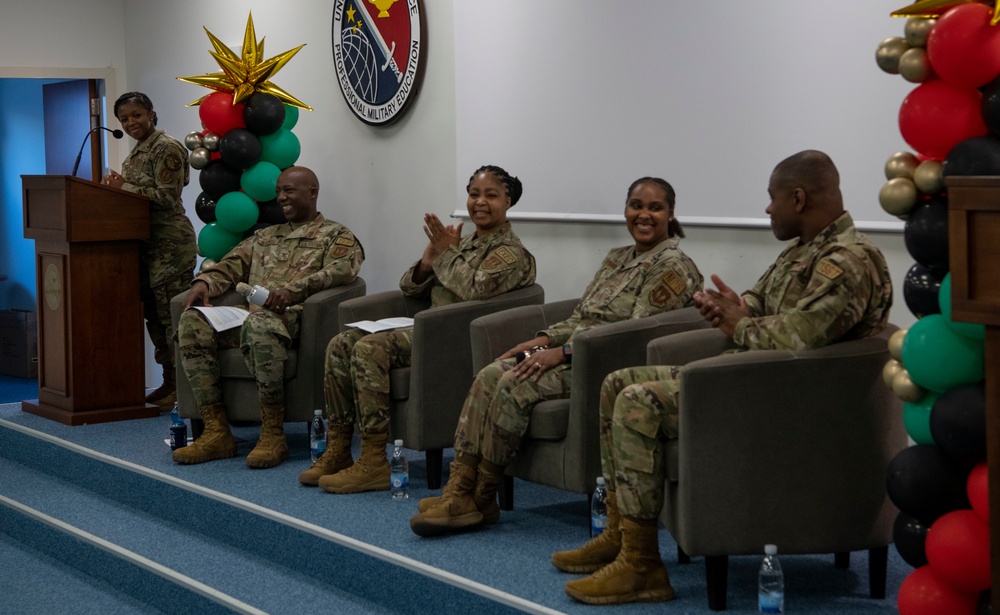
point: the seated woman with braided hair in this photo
(646, 278)
(481, 265)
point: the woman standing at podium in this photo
(157, 168)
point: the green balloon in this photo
(260, 181)
(917, 418)
(281, 148)
(939, 359)
(236, 212)
(973, 330)
(291, 116)
(214, 241)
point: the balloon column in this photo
(952, 122)
(245, 143)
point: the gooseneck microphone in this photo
(117, 134)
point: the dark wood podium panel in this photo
(91, 346)
(974, 262)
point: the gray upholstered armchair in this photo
(426, 398)
(303, 369)
(560, 448)
(782, 447)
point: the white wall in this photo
(378, 181)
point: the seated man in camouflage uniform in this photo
(293, 260)
(829, 285)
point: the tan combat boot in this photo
(597, 552)
(165, 396)
(337, 456)
(488, 479)
(636, 575)
(456, 508)
(369, 473)
(215, 442)
(271, 448)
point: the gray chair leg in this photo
(682, 557)
(878, 564)
(434, 463)
(506, 493)
(717, 577)
(197, 427)
(842, 560)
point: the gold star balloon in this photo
(935, 8)
(246, 73)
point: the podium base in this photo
(105, 415)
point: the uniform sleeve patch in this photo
(505, 254)
(659, 296)
(828, 269)
(674, 282)
(492, 263)
(339, 251)
(344, 241)
(173, 162)
(166, 176)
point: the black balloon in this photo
(925, 482)
(920, 291)
(270, 212)
(204, 206)
(984, 606)
(909, 536)
(263, 113)
(218, 178)
(240, 148)
(990, 105)
(958, 422)
(975, 156)
(926, 234)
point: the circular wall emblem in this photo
(378, 56)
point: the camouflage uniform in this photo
(158, 168)
(302, 259)
(834, 288)
(358, 363)
(628, 285)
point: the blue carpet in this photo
(17, 389)
(511, 556)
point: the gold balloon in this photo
(892, 367)
(906, 389)
(896, 344)
(888, 53)
(898, 196)
(914, 66)
(929, 177)
(901, 164)
(928, 8)
(917, 29)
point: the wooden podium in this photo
(974, 245)
(91, 359)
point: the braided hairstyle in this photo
(673, 226)
(511, 184)
(138, 98)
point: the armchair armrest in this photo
(320, 321)
(685, 347)
(494, 334)
(387, 304)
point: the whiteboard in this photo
(580, 97)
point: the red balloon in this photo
(218, 113)
(977, 486)
(958, 550)
(924, 594)
(936, 117)
(963, 48)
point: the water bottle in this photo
(255, 294)
(178, 430)
(399, 469)
(599, 508)
(771, 596)
(317, 436)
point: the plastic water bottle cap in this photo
(398, 443)
(318, 412)
(600, 481)
(770, 550)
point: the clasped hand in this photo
(723, 308)
(114, 180)
(537, 363)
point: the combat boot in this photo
(488, 479)
(636, 575)
(215, 442)
(597, 552)
(369, 473)
(337, 456)
(165, 396)
(456, 509)
(271, 448)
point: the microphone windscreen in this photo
(242, 288)
(117, 133)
